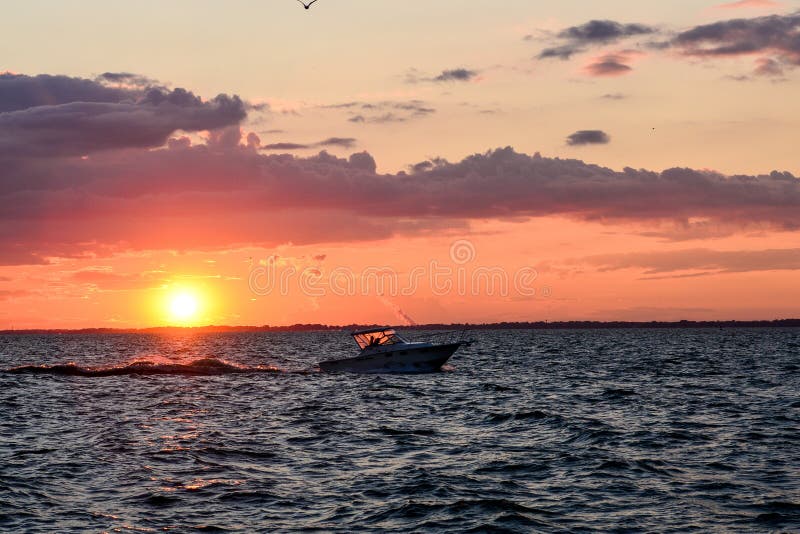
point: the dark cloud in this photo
(456, 75)
(50, 116)
(604, 31)
(422, 166)
(18, 91)
(775, 39)
(344, 105)
(342, 142)
(576, 39)
(560, 52)
(417, 107)
(588, 137)
(80, 128)
(656, 45)
(460, 74)
(427, 165)
(386, 112)
(286, 146)
(126, 79)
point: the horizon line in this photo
(503, 325)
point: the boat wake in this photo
(201, 367)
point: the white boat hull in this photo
(426, 359)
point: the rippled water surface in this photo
(657, 430)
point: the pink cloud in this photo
(756, 4)
(613, 64)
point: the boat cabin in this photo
(376, 337)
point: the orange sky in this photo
(638, 183)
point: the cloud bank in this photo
(51, 116)
(129, 181)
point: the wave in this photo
(201, 367)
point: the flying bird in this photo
(308, 5)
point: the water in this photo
(651, 430)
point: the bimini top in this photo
(372, 330)
(373, 337)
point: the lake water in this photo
(635, 430)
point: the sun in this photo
(183, 307)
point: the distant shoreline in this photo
(537, 325)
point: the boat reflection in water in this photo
(383, 350)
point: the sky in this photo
(253, 162)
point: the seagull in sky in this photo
(308, 5)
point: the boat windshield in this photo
(377, 338)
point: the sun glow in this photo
(183, 307)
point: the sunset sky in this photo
(621, 160)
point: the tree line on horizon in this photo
(521, 325)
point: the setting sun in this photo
(183, 306)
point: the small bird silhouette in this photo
(308, 5)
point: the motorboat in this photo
(383, 350)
